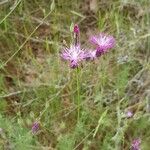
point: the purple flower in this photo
(129, 114)
(74, 55)
(90, 55)
(35, 127)
(103, 42)
(76, 29)
(136, 144)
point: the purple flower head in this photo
(74, 55)
(76, 29)
(74, 64)
(90, 55)
(129, 114)
(103, 42)
(35, 127)
(136, 144)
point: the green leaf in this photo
(53, 5)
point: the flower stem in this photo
(78, 92)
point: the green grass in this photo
(36, 85)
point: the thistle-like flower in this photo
(136, 144)
(90, 55)
(74, 55)
(35, 127)
(103, 42)
(129, 114)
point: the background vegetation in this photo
(35, 85)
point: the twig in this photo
(83, 139)
(3, 2)
(38, 20)
(33, 39)
(11, 94)
(12, 9)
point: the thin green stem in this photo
(13, 8)
(78, 92)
